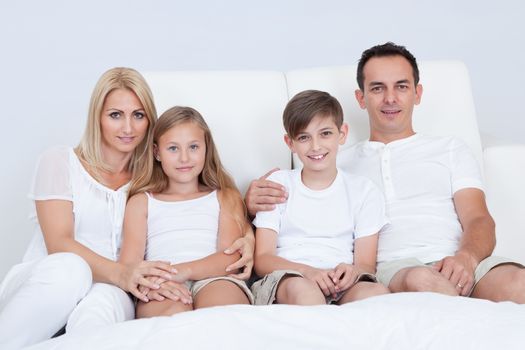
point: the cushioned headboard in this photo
(447, 106)
(243, 110)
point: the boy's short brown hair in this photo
(305, 106)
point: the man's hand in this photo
(459, 270)
(323, 280)
(263, 194)
(245, 246)
(344, 276)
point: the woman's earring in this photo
(157, 158)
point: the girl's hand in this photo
(344, 276)
(245, 246)
(134, 275)
(183, 273)
(323, 280)
(168, 290)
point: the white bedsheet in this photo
(396, 321)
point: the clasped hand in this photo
(333, 281)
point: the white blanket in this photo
(396, 321)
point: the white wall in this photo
(52, 52)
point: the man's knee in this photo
(300, 291)
(502, 283)
(421, 279)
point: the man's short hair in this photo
(385, 50)
(305, 106)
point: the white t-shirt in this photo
(98, 210)
(318, 228)
(419, 176)
(184, 230)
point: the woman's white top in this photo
(98, 211)
(184, 230)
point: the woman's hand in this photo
(134, 275)
(167, 290)
(245, 246)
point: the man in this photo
(441, 234)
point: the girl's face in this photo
(123, 122)
(182, 152)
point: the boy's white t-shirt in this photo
(318, 228)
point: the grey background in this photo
(52, 53)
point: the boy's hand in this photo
(323, 280)
(343, 276)
(263, 195)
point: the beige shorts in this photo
(196, 286)
(265, 289)
(387, 270)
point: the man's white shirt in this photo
(418, 176)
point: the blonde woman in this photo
(69, 273)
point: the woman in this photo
(70, 274)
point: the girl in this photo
(187, 212)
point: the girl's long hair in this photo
(213, 174)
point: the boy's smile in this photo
(317, 146)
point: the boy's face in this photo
(317, 145)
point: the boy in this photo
(320, 246)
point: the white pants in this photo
(105, 304)
(38, 297)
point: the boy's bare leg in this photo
(299, 291)
(363, 290)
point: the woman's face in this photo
(123, 122)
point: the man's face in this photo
(389, 96)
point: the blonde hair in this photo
(213, 175)
(89, 149)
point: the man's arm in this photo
(477, 241)
(263, 194)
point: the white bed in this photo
(396, 321)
